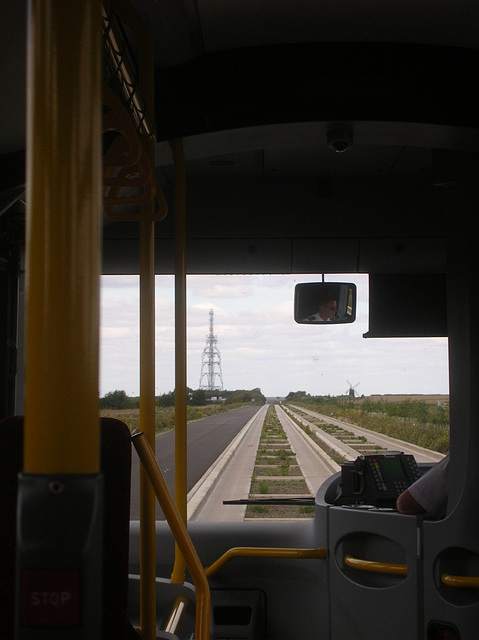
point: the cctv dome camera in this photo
(340, 140)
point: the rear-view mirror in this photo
(325, 302)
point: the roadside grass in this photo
(165, 416)
(416, 422)
(279, 511)
(280, 486)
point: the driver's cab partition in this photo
(383, 582)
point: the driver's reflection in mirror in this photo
(327, 310)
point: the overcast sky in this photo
(259, 342)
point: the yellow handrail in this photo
(264, 552)
(461, 582)
(375, 567)
(180, 534)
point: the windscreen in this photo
(259, 384)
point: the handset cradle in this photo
(377, 479)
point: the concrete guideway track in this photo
(386, 442)
(315, 464)
(234, 468)
(231, 476)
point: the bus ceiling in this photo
(303, 154)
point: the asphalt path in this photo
(207, 439)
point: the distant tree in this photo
(296, 395)
(243, 396)
(115, 400)
(198, 397)
(193, 398)
(166, 399)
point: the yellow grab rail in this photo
(180, 534)
(264, 552)
(461, 582)
(375, 567)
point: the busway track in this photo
(354, 440)
(230, 479)
(294, 465)
(343, 440)
(315, 463)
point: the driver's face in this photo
(328, 309)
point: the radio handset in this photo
(359, 481)
(377, 479)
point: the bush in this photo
(115, 400)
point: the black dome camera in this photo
(340, 140)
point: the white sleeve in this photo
(431, 489)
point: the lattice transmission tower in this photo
(211, 377)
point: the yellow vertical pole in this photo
(60, 492)
(178, 574)
(147, 426)
(63, 237)
(147, 359)
(147, 333)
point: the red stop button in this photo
(50, 598)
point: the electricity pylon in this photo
(211, 377)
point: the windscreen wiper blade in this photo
(306, 501)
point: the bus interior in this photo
(192, 137)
